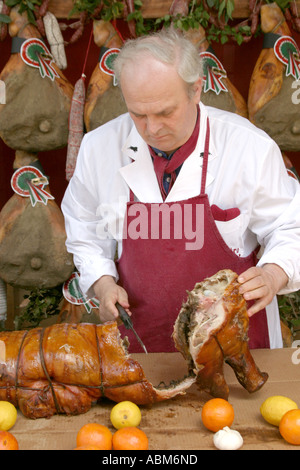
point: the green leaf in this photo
(224, 39)
(239, 39)
(178, 24)
(296, 322)
(245, 29)
(283, 4)
(5, 19)
(230, 8)
(12, 3)
(42, 303)
(30, 5)
(221, 8)
(211, 3)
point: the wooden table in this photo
(176, 424)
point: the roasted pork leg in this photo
(212, 327)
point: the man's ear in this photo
(198, 89)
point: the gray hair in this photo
(167, 46)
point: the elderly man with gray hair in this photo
(174, 191)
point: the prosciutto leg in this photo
(212, 327)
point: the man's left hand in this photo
(261, 284)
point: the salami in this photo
(76, 126)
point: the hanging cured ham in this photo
(38, 96)
(32, 231)
(270, 101)
(218, 91)
(104, 100)
(34, 119)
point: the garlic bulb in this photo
(228, 439)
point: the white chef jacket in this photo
(245, 170)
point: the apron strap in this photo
(205, 158)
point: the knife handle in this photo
(124, 316)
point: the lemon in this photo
(8, 415)
(125, 414)
(273, 408)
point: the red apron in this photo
(159, 266)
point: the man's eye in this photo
(167, 113)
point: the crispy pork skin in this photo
(65, 368)
(212, 327)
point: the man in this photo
(182, 190)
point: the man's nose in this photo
(153, 125)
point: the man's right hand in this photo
(109, 293)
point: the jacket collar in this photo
(140, 175)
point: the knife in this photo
(128, 324)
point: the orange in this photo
(87, 448)
(289, 427)
(94, 434)
(8, 441)
(130, 438)
(217, 413)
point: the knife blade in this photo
(128, 324)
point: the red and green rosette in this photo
(213, 73)
(73, 294)
(29, 181)
(107, 58)
(287, 51)
(35, 53)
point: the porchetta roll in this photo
(65, 368)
